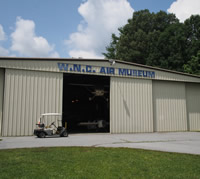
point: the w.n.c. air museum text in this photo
(65, 67)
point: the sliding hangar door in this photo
(1, 96)
(176, 106)
(193, 106)
(169, 105)
(28, 94)
(131, 106)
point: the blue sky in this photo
(72, 28)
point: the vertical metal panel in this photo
(1, 96)
(28, 94)
(193, 106)
(169, 106)
(131, 105)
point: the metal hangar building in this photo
(124, 97)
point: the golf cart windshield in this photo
(48, 118)
(51, 114)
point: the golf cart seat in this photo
(40, 125)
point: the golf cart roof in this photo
(51, 114)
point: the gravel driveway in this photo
(181, 142)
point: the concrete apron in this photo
(180, 142)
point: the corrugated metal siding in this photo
(131, 105)
(193, 106)
(169, 106)
(27, 95)
(1, 96)
(52, 66)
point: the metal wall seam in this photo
(11, 96)
(27, 95)
(2, 76)
(193, 106)
(5, 109)
(169, 105)
(129, 111)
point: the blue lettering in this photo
(140, 72)
(129, 72)
(112, 71)
(107, 70)
(88, 68)
(102, 70)
(134, 73)
(122, 71)
(77, 67)
(148, 74)
(152, 74)
(63, 66)
(144, 73)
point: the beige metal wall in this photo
(130, 105)
(193, 106)
(27, 95)
(1, 96)
(169, 106)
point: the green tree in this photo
(111, 50)
(168, 50)
(192, 30)
(157, 39)
(193, 66)
(139, 35)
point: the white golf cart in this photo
(55, 128)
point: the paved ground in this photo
(182, 142)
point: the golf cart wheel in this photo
(65, 134)
(42, 135)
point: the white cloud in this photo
(100, 19)
(2, 33)
(183, 9)
(3, 52)
(26, 43)
(84, 54)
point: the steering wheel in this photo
(53, 123)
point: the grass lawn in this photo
(83, 162)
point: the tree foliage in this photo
(157, 39)
(193, 66)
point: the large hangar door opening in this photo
(86, 103)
